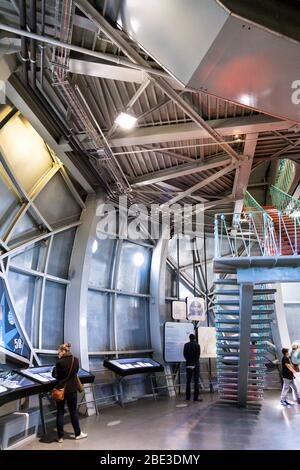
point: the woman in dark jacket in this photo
(65, 373)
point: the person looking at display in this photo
(288, 378)
(294, 355)
(65, 372)
(191, 352)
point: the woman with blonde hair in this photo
(65, 372)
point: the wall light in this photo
(127, 121)
(138, 259)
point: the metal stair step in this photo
(237, 302)
(233, 396)
(236, 320)
(237, 329)
(237, 312)
(235, 381)
(230, 282)
(232, 353)
(252, 338)
(237, 292)
(251, 388)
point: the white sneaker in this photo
(59, 440)
(82, 435)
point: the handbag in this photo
(80, 387)
(58, 394)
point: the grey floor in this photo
(166, 424)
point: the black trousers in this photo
(189, 375)
(71, 399)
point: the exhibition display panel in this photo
(43, 375)
(133, 365)
(16, 384)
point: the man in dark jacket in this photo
(191, 354)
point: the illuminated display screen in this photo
(11, 381)
(43, 374)
(133, 365)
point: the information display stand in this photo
(43, 381)
(130, 366)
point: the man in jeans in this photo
(191, 354)
(288, 378)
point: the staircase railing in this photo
(257, 233)
(284, 201)
(251, 204)
(285, 174)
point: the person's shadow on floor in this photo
(51, 437)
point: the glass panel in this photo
(185, 251)
(101, 263)
(48, 359)
(32, 257)
(56, 203)
(133, 275)
(106, 390)
(21, 144)
(53, 319)
(26, 291)
(132, 321)
(26, 228)
(184, 291)
(61, 253)
(98, 321)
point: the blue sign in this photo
(10, 337)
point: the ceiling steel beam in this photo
(281, 152)
(129, 105)
(113, 72)
(190, 131)
(242, 173)
(181, 170)
(200, 185)
(169, 153)
(171, 188)
(72, 47)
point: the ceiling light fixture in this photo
(125, 120)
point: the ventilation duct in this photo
(247, 51)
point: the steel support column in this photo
(246, 295)
(75, 329)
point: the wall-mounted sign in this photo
(10, 336)
(178, 310)
(207, 341)
(195, 310)
(175, 337)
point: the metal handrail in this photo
(283, 201)
(285, 174)
(257, 233)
